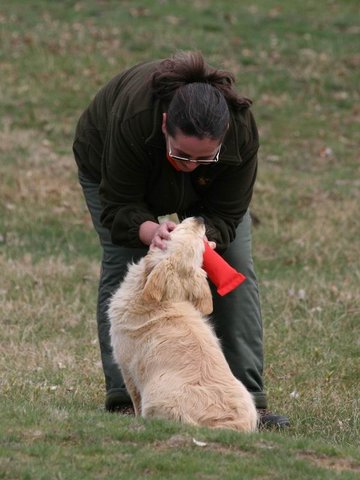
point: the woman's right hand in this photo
(155, 234)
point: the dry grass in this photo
(44, 315)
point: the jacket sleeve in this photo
(122, 188)
(229, 196)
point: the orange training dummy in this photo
(222, 275)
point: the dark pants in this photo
(236, 316)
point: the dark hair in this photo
(197, 97)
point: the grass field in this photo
(299, 61)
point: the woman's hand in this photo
(162, 234)
(156, 235)
(211, 244)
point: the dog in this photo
(168, 353)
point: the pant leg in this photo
(237, 317)
(113, 268)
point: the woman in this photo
(173, 137)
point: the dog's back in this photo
(188, 378)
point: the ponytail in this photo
(189, 67)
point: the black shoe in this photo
(119, 401)
(123, 410)
(269, 419)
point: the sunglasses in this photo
(193, 160)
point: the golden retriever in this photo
(169, 355)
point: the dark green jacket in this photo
(119, 143)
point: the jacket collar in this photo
(230, 150)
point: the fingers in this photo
(211, 244)
(168, 226)
(162, 234)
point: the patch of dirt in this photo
(185, 441)
(331, 463)
(265, 444)
(177, 441)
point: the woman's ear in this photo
(163, 125)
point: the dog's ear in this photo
(169, 282)
(160, 283)
(199, 293)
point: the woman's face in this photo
(190, 147)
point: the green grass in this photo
(83, 442)
(299, 62)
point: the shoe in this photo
(269, 419)
(123, 410)
(119, 401)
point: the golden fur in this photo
(169, 356)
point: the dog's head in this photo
(175, 274)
